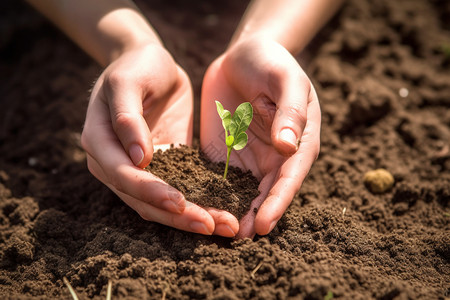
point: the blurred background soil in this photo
(382, 72)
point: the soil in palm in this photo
(201, 181)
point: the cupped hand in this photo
(284, 136)
(141, 100)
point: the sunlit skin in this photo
(271, 86)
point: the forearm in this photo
(292, 23)
(102, 28)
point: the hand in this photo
(284, 136)
(142, 99)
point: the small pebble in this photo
(378, 181)
(403, 92)
(32, 161)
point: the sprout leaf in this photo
(235, 127)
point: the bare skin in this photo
(142, 90)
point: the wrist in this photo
(291, 23)
(131, 40)
(133, 44)
(292, 43)
(248, 44)
(121, 30)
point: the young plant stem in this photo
(235, 126)
(228, 161)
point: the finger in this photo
(263, 114)
(124, 99)
(103, 147)
(193, 219)
(225, 223)
(247, 223)
(291, 175)
(291, 115)
(160, 194)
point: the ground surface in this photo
(382, 71)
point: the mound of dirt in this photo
(201, 181)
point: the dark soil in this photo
(382, 72)
(201, 181)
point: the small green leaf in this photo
(241, 119)
(328, 296)
(235, 127)
(240, 141)
(225, 115)
(229, 140)
(220, 109)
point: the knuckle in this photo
(316, 152)
(85, 140)
(123, 120)
(302, 119)
(173, 221)
(305, 83)
(115, 78)
(297, 113)
(296, 110)
(91, 167)
(145, 215)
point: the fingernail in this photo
(199, 228)
(227, 230)
(136, 154)
(272, 225)
(288, 137)
(171, 207)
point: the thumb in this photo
(130, 126)
(291, 114)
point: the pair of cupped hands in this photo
(144, 99)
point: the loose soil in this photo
(201, 181)
(382, 72)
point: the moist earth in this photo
(382, 73)
(201, 181)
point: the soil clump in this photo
(201, 181)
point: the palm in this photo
(170, 120)
(259, 155)
(233, 80)
(167, 102)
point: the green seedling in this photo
(235, 127)
(328, 296)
